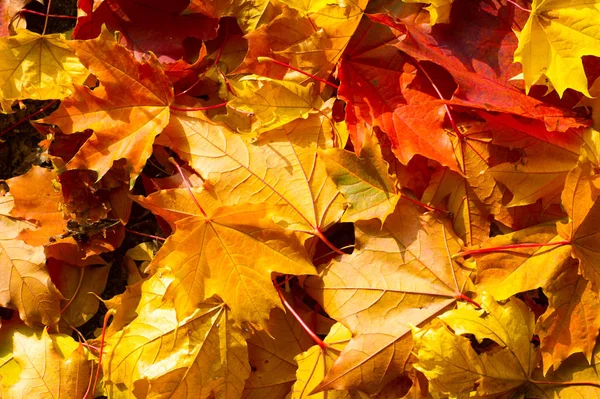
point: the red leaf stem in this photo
(26, 11)
(508, 247)
(310, 332)
(28, 117)
(283, 64)
(188, 186)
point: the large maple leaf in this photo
(231, 252)
(400, 274)
(280, 167)
(206, 351)
(126, 112)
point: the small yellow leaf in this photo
(557, 34)
(38, 67)
(273, 102)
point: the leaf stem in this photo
(462, 297)
(507, 247)
(47, 15)
(188, 186)
(104, 324)
(27, 118)
(174, 108)
(322, 237)
(26, 11)
(310, 332)
(428, 207)
(283, 64)
(81, 273)
(514, 3)
(145, 235)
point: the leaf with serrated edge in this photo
(400, 273)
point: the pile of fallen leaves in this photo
(304, 199)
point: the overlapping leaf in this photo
(157, 355)
(557, 35)
(126, 113)
(231, 252)
(280, 167)
(38, 67)
(401, 273)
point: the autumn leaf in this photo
(386, 285)
(557, 35)
(572, 321)
(272, 356)
(249, 246)
(49, 365)
(25, 283)
(363, 180)
(478, 90)
(387, 97)
(314, 364)
(39, 67)
(273, 103)
(580, 200)
(204, 345)
(41, 207)
(452, 365)
(126, 113)
(234, 167)
(506, 272)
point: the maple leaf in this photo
(40, 207)
(46, 365)
(136, 22)
(249, 248)
(388, 283)
(454, 367)
(320, 35)
(25, 283)
(206, 352)
(484, 91)
(272, 356)
(363, 180)
(39, 67)
(77, 284)
(280, 167)
(314, 364)
(273, 103)
(388, 97)
(127, 111)
(580, 200)
(540, 172)
(571, 323)
(557, 34)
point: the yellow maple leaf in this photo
(39, 67)
(44, 366)
(557, 34)
(230, 251)
(452, 365)
(156, 355)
